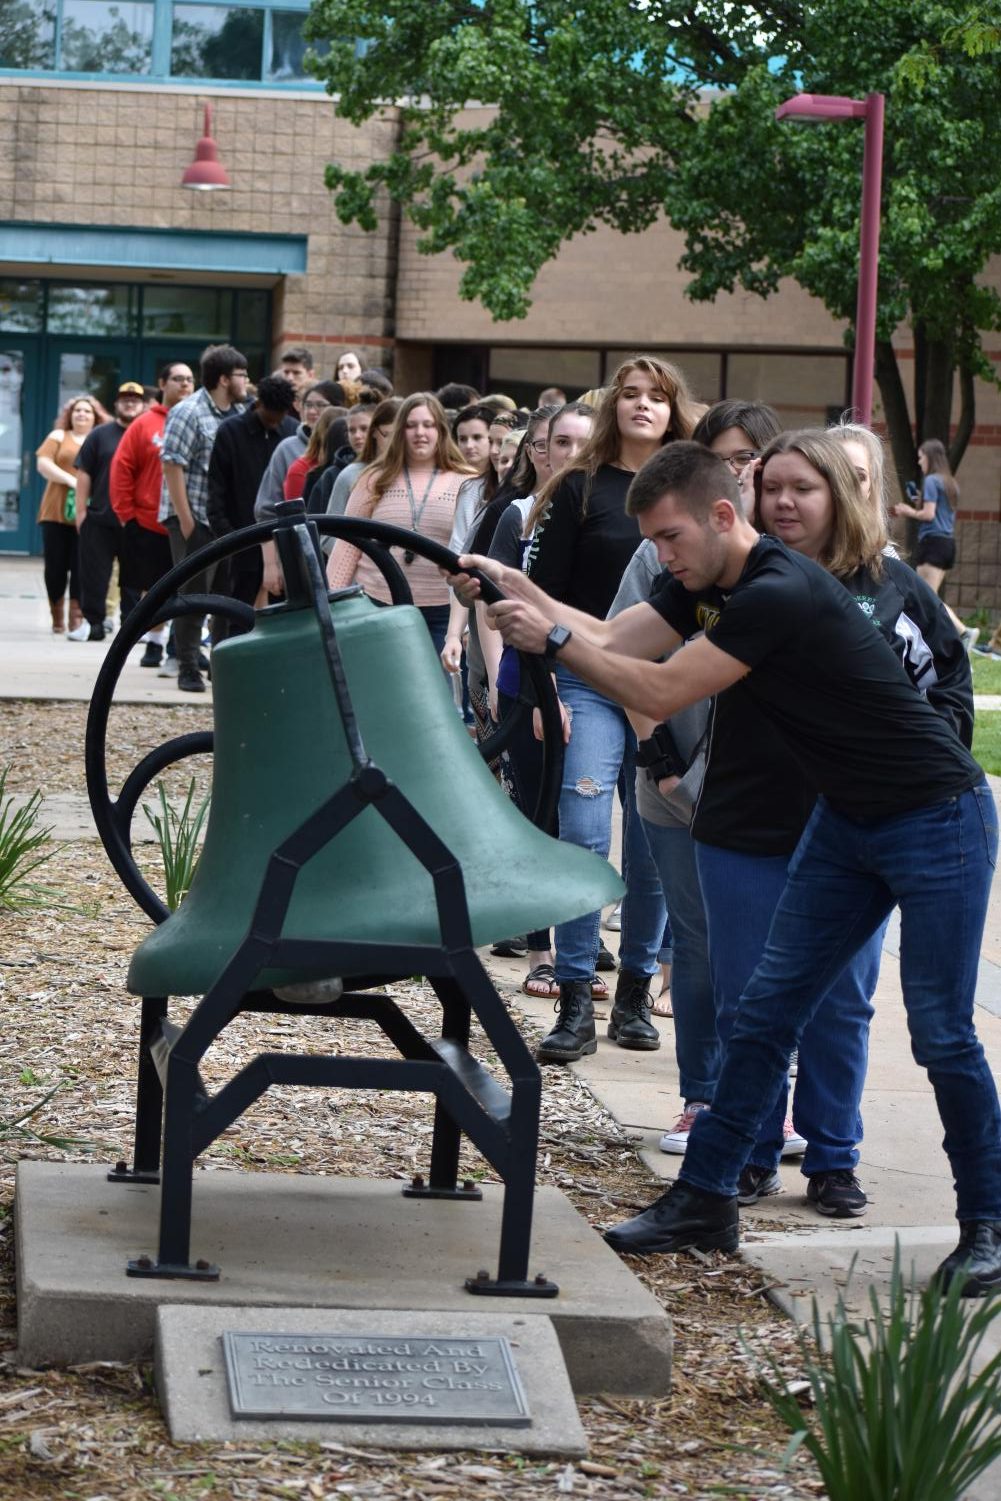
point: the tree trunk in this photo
(967, 417)
(920, 380)
(939, 381)
(898, 419)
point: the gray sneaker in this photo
(167, 668)
(757, 1183)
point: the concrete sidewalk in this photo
(37, 664)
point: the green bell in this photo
(281, 752)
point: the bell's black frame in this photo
(176, 1119)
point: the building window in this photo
(100, 38)
(157, 39)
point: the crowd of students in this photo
(632, 527)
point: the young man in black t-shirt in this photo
(904, 816)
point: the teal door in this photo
(95, 367)
(21, 402)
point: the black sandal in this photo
(542, 973)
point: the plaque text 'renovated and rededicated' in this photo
(375, 1378)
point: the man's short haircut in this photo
(163, 374)
(454, 396)
(276, 394)
(219, 360)
(692, 475)
(298, 354)
(760, 422)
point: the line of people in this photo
(802, 707)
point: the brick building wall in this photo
(114, 155)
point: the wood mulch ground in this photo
(95, 1432)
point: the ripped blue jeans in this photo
(602, 745)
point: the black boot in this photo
(573, 1034)
(977, 1259)
(681, 1217)
(629, 1024)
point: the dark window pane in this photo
(104, 311)
(253, 314)
(97, 374)
(101, 38)
(27, 34)
(288, 49)
(21, 306)
(212, 41)
(193, 311)
(11, 430)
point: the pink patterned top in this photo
(349, 566)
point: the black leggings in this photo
(60, 553)
(524, 755)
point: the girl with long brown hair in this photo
(415, 484)
(584, 543)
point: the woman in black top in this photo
(582, 552)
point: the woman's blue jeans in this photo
(696, 1040)
(741, 894)
(936, 863)
(601, 745)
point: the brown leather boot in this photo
(76, 614)
(58, 608)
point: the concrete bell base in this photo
(306, 1242)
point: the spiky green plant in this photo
(15, 1129)
(178, 833)
(22, 848)
(900, 1412)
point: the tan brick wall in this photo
(88, 155)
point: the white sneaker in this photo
(110, 625)
(167, 668)
(969, 638)
(794, 1063)
(613, 922)
(80, 633)
(675, 1141)
(793, 1145)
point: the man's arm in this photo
(220, 484)
(639, 631)
(82, 496)
(122, 477)
(655, 690)
(174, 477)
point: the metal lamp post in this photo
(870, 109)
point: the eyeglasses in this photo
(315, 406)
(740, 459)
(539, 445)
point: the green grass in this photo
(987, 740)
(986, 674)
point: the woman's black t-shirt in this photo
(588, 540)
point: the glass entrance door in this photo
(20, 399)
(95, 367)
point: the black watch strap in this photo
(556, 640)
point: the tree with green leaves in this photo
(616, 111)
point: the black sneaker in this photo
(838, 1194)
(683, 1216)
(152, 656)
(605, 962)
(757, 1183)
(573, 1034)
(629, 1023)
(189, 680)
(977, 1259)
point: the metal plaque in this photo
(375, 1378)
